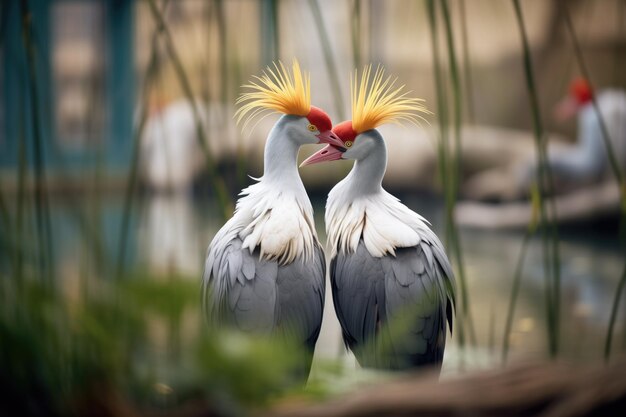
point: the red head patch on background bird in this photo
(579, 95)
(580, 90)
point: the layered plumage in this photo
(265, 269)
(393, 286)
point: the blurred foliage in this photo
(60, 354)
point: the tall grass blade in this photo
(442, 143)
(3, 20)
(220, 18)
(4, 211)
(206, 63)
(614, 308)
(20, 239)
(613, 162)
(269, 31)
(442, 106)
(615, 169)
(456, 166)
(517, 278)
(356, 33)
(221, 190)
(329, 60)
(548, 223)
(467, 66)
(621, 34)
(6, 249)
(44, 228)
(131, 183)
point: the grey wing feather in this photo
(356, 288)
(252, 294)
(301, 288)
(239, 289)
(414, 288)
(416, 307)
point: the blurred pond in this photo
(169, 235)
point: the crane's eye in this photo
(312, 128)
(348, 143)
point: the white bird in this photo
(170, 156)
(392, 283)
(265, 269)
(587, 161)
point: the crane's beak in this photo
(330, 138)
(327, 153)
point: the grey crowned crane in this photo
(392, 283)
(587, 161)
(265, 269)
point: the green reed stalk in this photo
(615, 169)
(131, 183)
(221, 190)
(5, 231)
(206, 83)
(517, 278)
(617, 173)
(614, 164)
(21, 197)
(442, 106)
(585, 72)
(456, 165)
(356, 33)
(220, 18)
(614, 309)
(4, 211)
(549, 237)
(621, 7)
(329, 60)
(467, 66)
(456, 95)
(442, 143)
(44, 228)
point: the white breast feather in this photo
(279, 223)
(380, 220)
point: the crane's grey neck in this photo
(366, 176)
(281, 156)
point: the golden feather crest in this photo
(376, 101)
(276, 90)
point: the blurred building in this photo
(91, 59)
(81, 102)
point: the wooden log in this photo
(546, 389)
(588, 203)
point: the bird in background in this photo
(265, 269)
(587, 160)
(392, 284)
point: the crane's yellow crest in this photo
(376, 101)
(276, 90)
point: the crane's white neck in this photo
(275, 214)
(359, 209)
(281, 157)
(366, 176)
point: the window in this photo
(78, 62)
